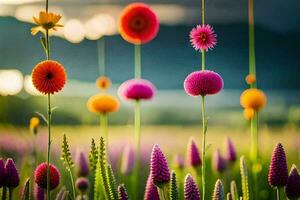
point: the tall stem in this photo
(137, 61)
(104, 129)
(101, 55)
(164, 192)
(49, 147)
(4, 191)
(278, 193)
(72, 182)
(204, 128)
(137, 136)
(252, 63)
(10, 193)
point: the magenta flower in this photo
(151, 192)
(193, 155)
(12, 178)
(204, 82)
(191, 191)
(38, 193)
(292, 188)
(2, 172)
(203, 37)
(122, 193)
(178, 161)
(219, 163)
(82, 184)
(159, 169)
(231, 152)
(127, 164)
(82, 165)
(278, 172)
(136, 89)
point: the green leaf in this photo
(113, 194)
(43, 42)
(234, 191)
(26, 190)
(93, 156)
(173, 187)
(66, 154)
(43, 117)
(244, 177)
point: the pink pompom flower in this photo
(204, 82)
(136, 89)
(203, 37)
(40, 176)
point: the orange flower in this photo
(49, 77)
(248, 113)
(103, 103)
(250, 79)
(46, 21)
(34, 124)
(253, 98)
(138, 23)
(103, 82)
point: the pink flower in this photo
(203, 37)
(193, 155)
(137, 89)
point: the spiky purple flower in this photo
(193, 155)
(151, 192)
(137, 89)
(278, 172)
(219, 162)
(82, 184)
(191, 191)
(159, 168)
(127, 164)
(218, 191)
(231, 151)
(2, 172)
(38, 192)
(178, 161)
(82, 164)
(12, 178)
(292, 188)
(122, 193)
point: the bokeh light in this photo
(11, 82)
(29, 87)
(74, 31)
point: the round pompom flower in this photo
(292, 188)
(138, 23)
(40, 176)
(82, 184)
(253, 98)
(103, 83)
(193, 155)
(204, 82)
(203, 37)
(12, 178)
(49, 77)
(137, 89)
(191, 191)
(250, 79)
(103, 103)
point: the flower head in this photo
(12, 178)
(40, 176)
(219, 163)
(203, 37)
(137, 89)
(38, 193)
(231, 151)
(103, 103)
(49, 77)
(204, 82)
(191, 191)
(46, 21)
(151, 192)
(278, 172)
(253, 98)
(82, 164)
(248, 113)
(103, 82)
(34, 124)
(218, 191)
(2, 172)
(127, 164)
(193, 155)
(122, 193)
(138, 23)
(292, 188)
(82, 184)
(178, 161)
(250, 79)
(159, 168)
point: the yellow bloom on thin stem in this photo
(46, 21)
(103, 103)
(253, 98)
(33, 125)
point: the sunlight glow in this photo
(11, 82)
(29, 88)
(74, 31)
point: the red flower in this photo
(49, 77)
(40, 176)
(138, 23)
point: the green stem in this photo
(204, 125)
(278, 193)
(10, 193)
(137, 61)
(101, 55)
(254, 138)
(4, 191)
(203, 60)
(252, 63)
(72, 182)
(164, 192)
(203, 11)
(137, 136)
(104, 129)
(49, 147)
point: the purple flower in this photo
(193, 155)
(151, 192)
(82, 164)
(12, 178)
(292, 188)
(191, 191)
(219, 163)
(178, 161)
(218, 191)
(2, 172)
(39, 193)
(203, 83)
(278, 173)
(127, 160)
(82, 184)
(122, 193)
(159, 169)
(231, 152)
(136, 89)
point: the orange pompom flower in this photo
(103, 103)
(49, 77)
(103, 82)
(138, 23)
(253, 98)
(250, 79)
(248, 113)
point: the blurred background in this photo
(166, 61)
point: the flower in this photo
(82, 165)
(2, 172)
(178, 161)
(49, 77)
(248, 113)
(231, 152)
(33, 125)
(218, 191)
(278, 172)
(193, 155)
(46, 21)
(12, 178)
(159, 168)
(191, 191)
(39, 193)
(137, 89)
(103, 103)
(292, 188)
(103, 83)
(253, 98)
(40, 176)
(203, 37)
(127, 164)
(219, 163)
(122, 193)
(138, 23)
(204, 82)
(82, 184)
(151, 192)
(250, 79)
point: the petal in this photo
(35, 30)
(36, 20)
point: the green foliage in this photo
(62, 194)
(66, 154)
(234, 191)
(173, 187)
(113, 194)
(244, 177)
(26, 190)
(93, 156)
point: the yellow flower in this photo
(46, 21)
(250, 79)
(103, 103)
(33, 125)
(103, 83)
(248, 113)
(253, 98)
